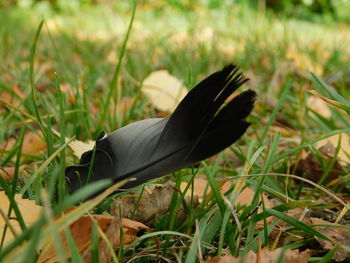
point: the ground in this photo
(70, 71)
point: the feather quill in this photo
(201, 126)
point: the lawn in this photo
(70, 71)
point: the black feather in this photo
(200, 127)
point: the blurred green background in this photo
(276, 43)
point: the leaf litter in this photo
(29, 210)
(339, 234)
(311, 167)
(154, 203)
(266, 255)
(81, 231)
(163, 90)
(344, 140)
(33, 143)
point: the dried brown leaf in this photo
(246, 197)
(266, 256)
(29, 210)
(8, 172)
(152, 204)
(311, 167)
(81, 233)
(33, 143)
(130, 230)
(10, 97)
(199, 186)
(336, 234)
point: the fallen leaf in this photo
(338, 104)
(29, 211)
(336, 234)
(104, 251)
(200, 184)
(8, 173)
(33, 143)
(312, 169)
(225, 187)
(124, 105)
(152, 204)
(344, 153)
(319, 106)
(266, 256)
(67, 89)
(11, 98)
(279, 230)
(79, 147)
(81, 233)
(163, 90)
(130, 230)
(246, 197)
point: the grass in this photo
(103, 60)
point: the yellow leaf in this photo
(163, 90)
(29, 210)
(80, 147)
(318, 105)
(344, 153)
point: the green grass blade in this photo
(114, 82)
(273, 115)
(40, 170)
(31, 73)
(323, 86)
(192, 252)
(289, 152)
(74, 251)
(215, 188)
(82, 194)
(13, 203)
(296, 223)
(62, 121)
